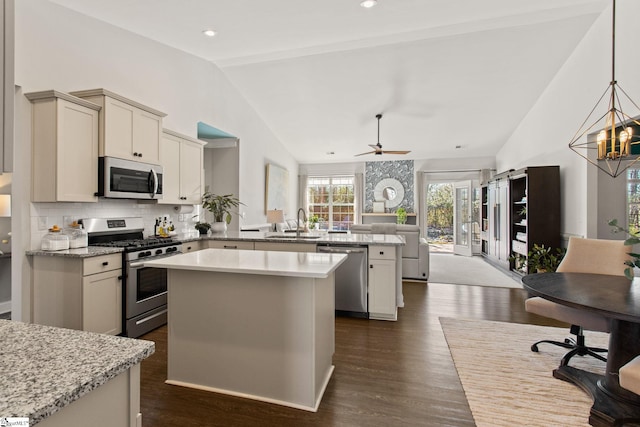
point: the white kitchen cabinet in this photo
(128, 129)
(230, 244)
(192, 246)
(65, 148)
(382, 283)
(102, 302)
(78, 293)
(285, 246)
(181, 158)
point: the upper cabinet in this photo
(65, 148)
(181, 158)
(128, 130)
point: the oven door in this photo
(146, 289)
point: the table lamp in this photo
(274, 217)
(5, 205)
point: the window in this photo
(633, 200)
(331, 199)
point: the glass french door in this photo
(462, 206)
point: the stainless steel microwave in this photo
(127, 179)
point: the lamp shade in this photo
(275, 216)
(5, 205)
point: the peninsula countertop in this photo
(311, 237)
(267, 263)
(45, 368)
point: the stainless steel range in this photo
(145, 289)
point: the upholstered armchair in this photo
(597, 256)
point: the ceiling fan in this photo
(377, 148)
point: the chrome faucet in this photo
(304, 215)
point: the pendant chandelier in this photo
(613, 139)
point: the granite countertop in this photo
(89, 251)
(267, 263)
(249, 236)
(45, 368)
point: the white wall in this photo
(59, 49)
(543, 136)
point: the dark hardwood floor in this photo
(386, 373)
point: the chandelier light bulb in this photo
(367, 4)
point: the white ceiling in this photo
(444, 73)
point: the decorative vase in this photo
(219, 227)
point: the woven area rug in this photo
(507, 384)
(462, 270)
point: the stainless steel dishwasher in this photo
(351, 280)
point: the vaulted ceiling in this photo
(452, 78)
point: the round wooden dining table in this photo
(617, 299)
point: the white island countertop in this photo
(269, 263)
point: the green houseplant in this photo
(401, 214)
(202, 227)
(632, 240)
(220, 207)
(542, 259)
(313, 221)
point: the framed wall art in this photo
(277, 188)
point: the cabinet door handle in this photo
(370, 265)
(188, 248)
(105, 263)
(230, 247)
(119, 277)
(381, 252)
(139, 154)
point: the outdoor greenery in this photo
(440, 202)
(332, 200)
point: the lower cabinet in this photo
(285, 247)
(193, 246)
(382, 283)
(102, 302)
(78, 293)
(229, 244)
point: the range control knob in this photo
(158, 251)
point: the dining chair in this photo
(598, 256)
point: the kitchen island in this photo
(384, 255)
(250, 323)
(62, 377)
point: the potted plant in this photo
(202, 227)
(632, 240)
(220, 207)
(313, 222)
(401, 214)
(543, 259)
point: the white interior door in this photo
(462, 218)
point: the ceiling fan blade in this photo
(395, 152)
(368, 152)
(375, 146)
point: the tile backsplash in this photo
(45, 215)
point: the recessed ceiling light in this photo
(368, 3)
(209, 33)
